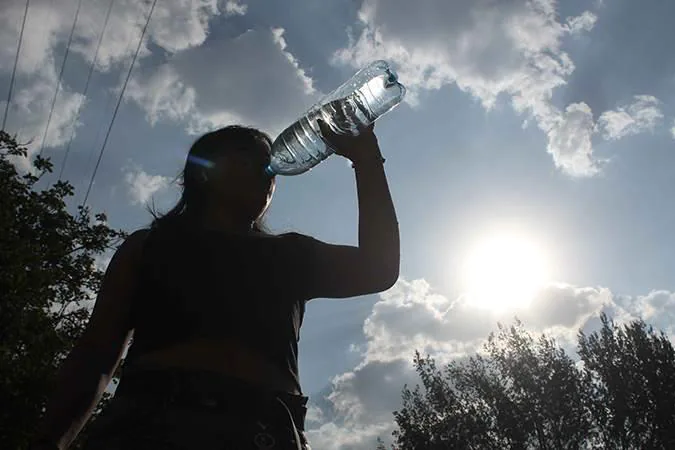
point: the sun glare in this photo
(503, 271)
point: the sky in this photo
(532, 163)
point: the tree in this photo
(528, 393)
(47, 276)
(631, 374)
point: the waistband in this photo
(179, 386)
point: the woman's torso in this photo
(225, 356)
(213, 301)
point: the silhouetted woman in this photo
(215, 305)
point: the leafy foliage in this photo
(48, 276)
(527, 393)
(631, 374)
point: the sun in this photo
(504, 270)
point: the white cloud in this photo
(176, 25)
(359, 437)
(656, 308)
(121, 35)
(181, 24)
(488, 49)
(41, 28)
(163, 95)
(141, 185)
(569, 141)
(31, 104)
(220, 83)
(48, 25)
(359, 405)
(565, 305)
(36, 77)
(314, 414)
(642, 115)
(234, 7)
(278, 36)
(583, 23)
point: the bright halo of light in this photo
(504, 271)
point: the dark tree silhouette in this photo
(631, 374)
(524, 392)
(47, 273)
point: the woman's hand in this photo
(358, 149)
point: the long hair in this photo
(193, 191)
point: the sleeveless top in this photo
(196, 282)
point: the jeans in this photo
(178, 411)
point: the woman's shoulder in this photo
(293, 236)
(300, 243)
(140, 233)
(135, 242)
(137, 238)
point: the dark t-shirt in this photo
(205, 283)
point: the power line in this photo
(16, 62)
(86, 87)
(58, 83)
(119, 101)
(110, 100)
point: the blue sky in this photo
(552, 121)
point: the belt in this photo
(209, 389)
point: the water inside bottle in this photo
(301, 146)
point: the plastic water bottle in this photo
(370, 93)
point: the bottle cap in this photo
(269, 171)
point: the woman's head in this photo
(224, 175)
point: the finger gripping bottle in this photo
(369, 94)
